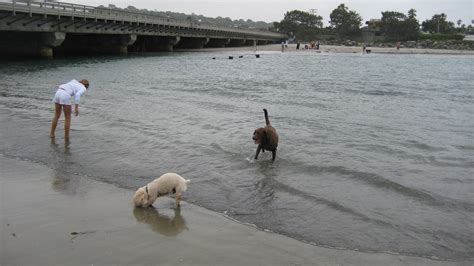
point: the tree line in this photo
(346, 23)
(194, 18)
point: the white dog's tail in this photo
(187, 180)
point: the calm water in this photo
(376, 151)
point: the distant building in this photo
(469, 37)
(372, 32)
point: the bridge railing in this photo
(59, 9)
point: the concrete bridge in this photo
(44, 28)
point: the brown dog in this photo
(266, 138)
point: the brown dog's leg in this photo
(258, 151)
(274, 152)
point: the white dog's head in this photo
(140, 199)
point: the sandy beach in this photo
(53, 218)
(336, 49)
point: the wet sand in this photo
(54, 218)
(336, 49)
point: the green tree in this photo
(438, 24)
(300, 24)
(469, 29)
(411, 26)
(392, 24)
(398, 26)
(344, 21)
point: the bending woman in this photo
(62, 102)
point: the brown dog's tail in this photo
(266, 117)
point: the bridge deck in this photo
(74, 12)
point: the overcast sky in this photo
(274, 10)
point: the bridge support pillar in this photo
(117, 44)
(128, 39)
(125, 41)
(250, 42)
(225, 42)
(199, 43)
(45, 52)
(221, 43)
(170, 42)
(237, 42)
(48, 41)
(155, 43)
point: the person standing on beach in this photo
(62, 102)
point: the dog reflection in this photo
(163, 224)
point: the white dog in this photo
(169, 183)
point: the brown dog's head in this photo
(259, 135)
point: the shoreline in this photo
(333, 49)
(50, 217)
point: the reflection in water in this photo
(55, 146)
(163, 224)
(60, 182)
(64, 182)
(62, 179)
(266, 186)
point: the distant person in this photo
(62, 102)
(282, 47)
(297, 45)
(286, 44)
(398, 46)
(317, 45)
(363, 48)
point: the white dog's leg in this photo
(178, 200)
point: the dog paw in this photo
(250, 159)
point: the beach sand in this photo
(334, 49)
(54, 218)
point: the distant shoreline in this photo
(335, 49)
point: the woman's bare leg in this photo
(57, 115)
(67, 120)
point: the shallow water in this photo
(376, 152)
